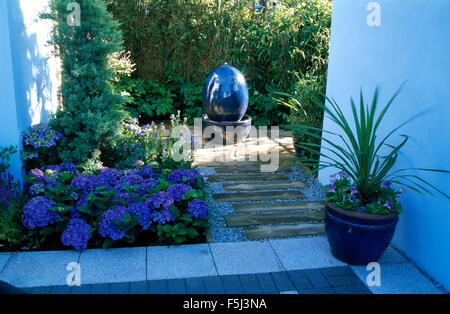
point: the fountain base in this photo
(226, 131)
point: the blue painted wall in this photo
(30, 79)
(9, 131)
(411, 45)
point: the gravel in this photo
(219, 230)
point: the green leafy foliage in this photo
(304, 108)
(156, 145)
(90, 114)
(367, 159)
(11, 203)
(177, 43)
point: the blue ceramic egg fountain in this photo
(225, 101)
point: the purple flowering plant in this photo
(156, 144)
(11, 203)
(100, 209)
(39, 145)
(343, 193)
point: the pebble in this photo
(220, 232)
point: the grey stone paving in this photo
(319, 281)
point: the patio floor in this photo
(128, 267)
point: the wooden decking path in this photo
(277, 208)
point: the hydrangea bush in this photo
(99, 209)
(39, 145)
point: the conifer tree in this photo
(85, 36)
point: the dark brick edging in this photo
(333, 280)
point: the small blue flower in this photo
(108, 228)
(76, 234)
(198, 209)
(178, 190)
(37, 213)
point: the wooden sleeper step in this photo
(263, 186)
(273, 218)
(283, 231)
(247, 177)
(277, 206)
(258, 196)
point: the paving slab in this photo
(250, 284)
(176, 286)
(248, 169)
(182, 261)
(247, 177)
(158, 286)
(317, 279)
(299, 280)
(37, 269)
(258, 196)
(245, 258)
(399, 278)
(232, 284)
(267, 284)
(61, 290)
(100, 288)
(282, 281)
(272, 218)
(391, 256)
(113, 265)
(4, 257)
(195, 285)
(263, 186)
(139, 287)
(277, 206)
(120, 288)
(83, 289)
(284, 231)
(305, 253)
(214, 285)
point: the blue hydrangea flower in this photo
(147, 172)
(180, 175)
(141, 209)
(162, 216)
(130, 179)
(160, 200)
(76, 234)
(198, 209)
(37, 173)
(110, 172)
(178, 190)
(108, 228)
(124, 196)
(69, 167)
(74, 213)
(37, 213)
(36, 189)
(41, 136)
(147, 186)
(85, 182)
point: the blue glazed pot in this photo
(358, 238)
(225, 95)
